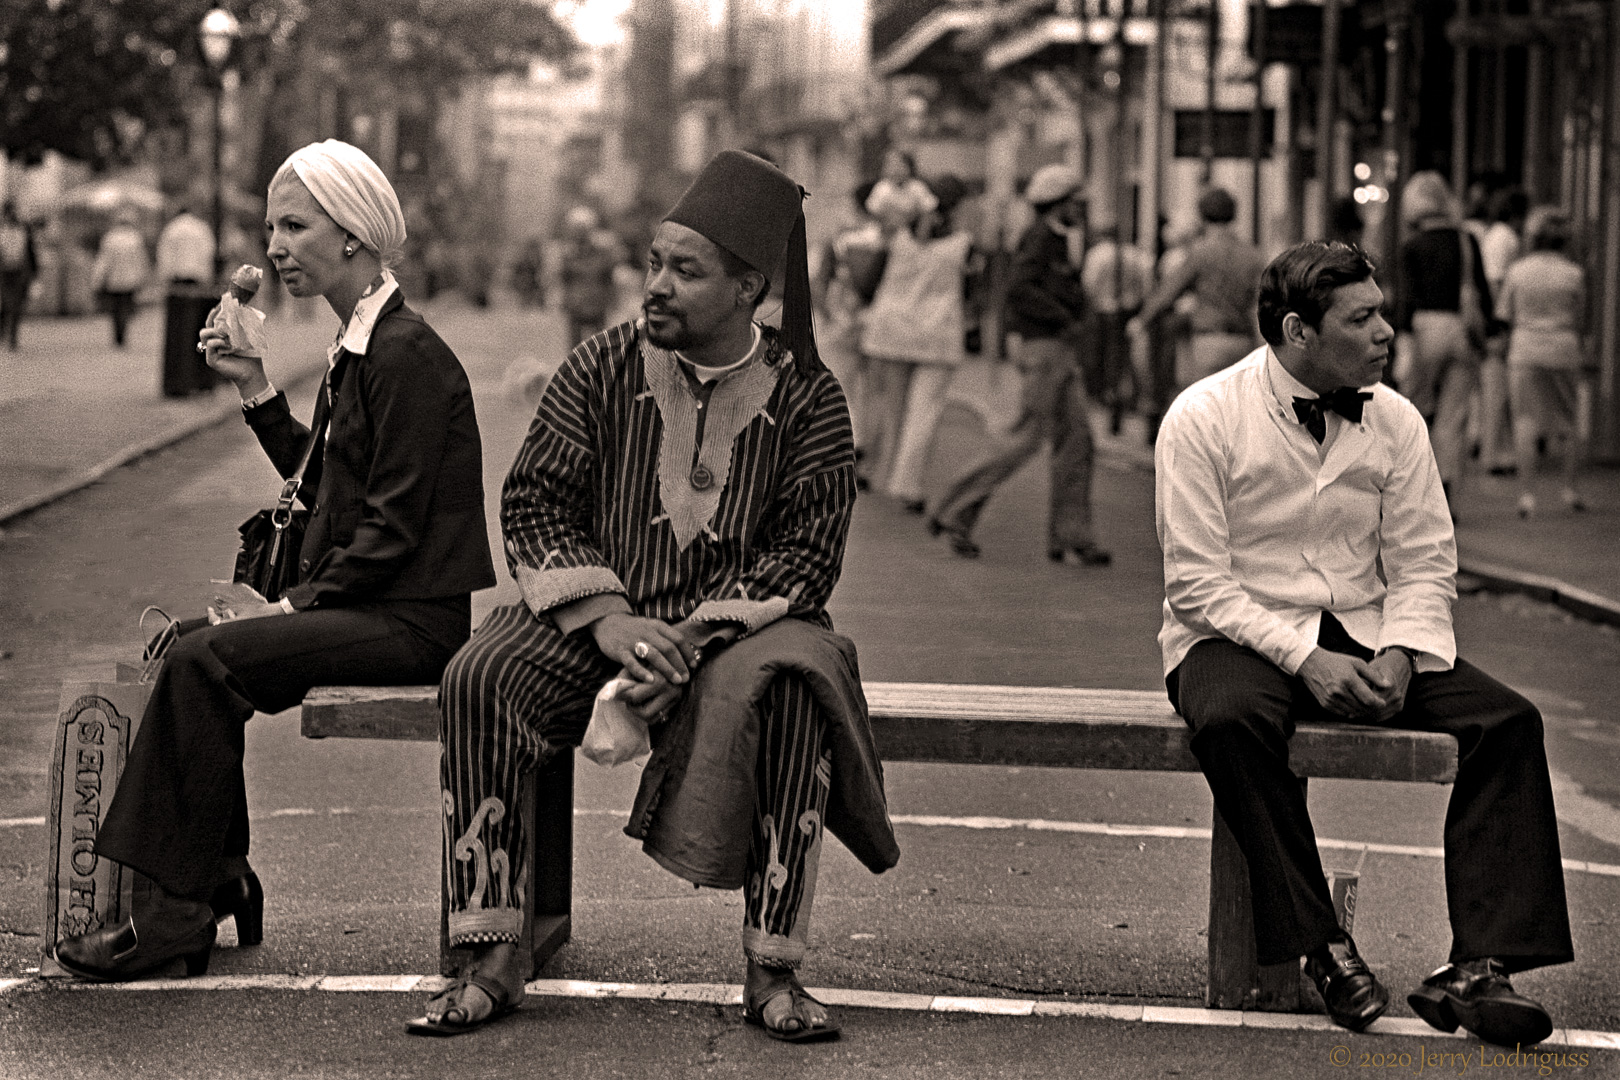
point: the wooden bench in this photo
(962, 725)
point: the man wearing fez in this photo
(676, 518)
(1309, 570)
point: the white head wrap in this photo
(353, 191)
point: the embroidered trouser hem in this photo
(795, 779)
(485, 927)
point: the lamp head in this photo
(218, 31)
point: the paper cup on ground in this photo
(1342, 884)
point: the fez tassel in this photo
(798, 327)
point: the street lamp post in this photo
(218, 33)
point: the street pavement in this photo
(1027, 891)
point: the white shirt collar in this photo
(356, 334)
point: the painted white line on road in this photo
(1171, 832)
(20, 822)
(1575, 807)
(731, 994)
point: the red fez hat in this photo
(755, 211)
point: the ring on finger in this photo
(697, 656)
(642, 650)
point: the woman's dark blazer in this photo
(398, 503)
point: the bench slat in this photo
(987, 725)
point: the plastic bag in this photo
(615, 734)
(243, 324)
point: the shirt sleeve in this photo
(547, 499)
(801, 547)
(1199, 585)
(1419, 550)
(1176, 282)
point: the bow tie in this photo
(1312, 412)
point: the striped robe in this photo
(602, 499)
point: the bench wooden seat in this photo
(963, 725)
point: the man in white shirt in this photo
(1309, 565)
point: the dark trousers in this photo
(180, 813)
(1053, 409)
(1504, 872)
(13, 298)
(120, 305)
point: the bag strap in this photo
(295, 483)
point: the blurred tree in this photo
(89, 78)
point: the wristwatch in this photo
(261, 398)
(1410, 653)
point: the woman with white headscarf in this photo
(395, 546)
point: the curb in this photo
(1579, 602)
(221, 412)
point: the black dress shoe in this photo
(961, 543)
(1080, 555)
(1352, 993)
(241, 899)
(120, 953)
(1483, 1001)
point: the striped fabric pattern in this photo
(582, 497)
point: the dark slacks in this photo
(1504, 872)
(180, 813)
(13, 299)
(1053, 409)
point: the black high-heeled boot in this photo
(163, 929)
(241, 898)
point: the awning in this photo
(928, 48)
(1061, 34)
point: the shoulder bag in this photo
(267, 561)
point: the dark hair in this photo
(1303, 280)
(735, 268)
(1509, 204)
(1217, 206)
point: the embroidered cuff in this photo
(753, 614)
(545, 589)
(485, 925)
(581, 613)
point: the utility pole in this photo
(1327, 113)
(1396, 47)
(1257, 119)
(1212, 52)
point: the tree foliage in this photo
(87, 78)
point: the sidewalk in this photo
(73, 408)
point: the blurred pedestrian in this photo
(122, 269)
(1443, 317)
(900, 196)
(185, 266)
(19, 263)
(585, 273)
(529, 274)
(846, 278)
(1116, 279)
(1500, 244)
(1044, 307)
(1221, 271)
(1544, 302)
(914, 340)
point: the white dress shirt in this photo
(1263, 530)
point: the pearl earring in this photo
(349, 251)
